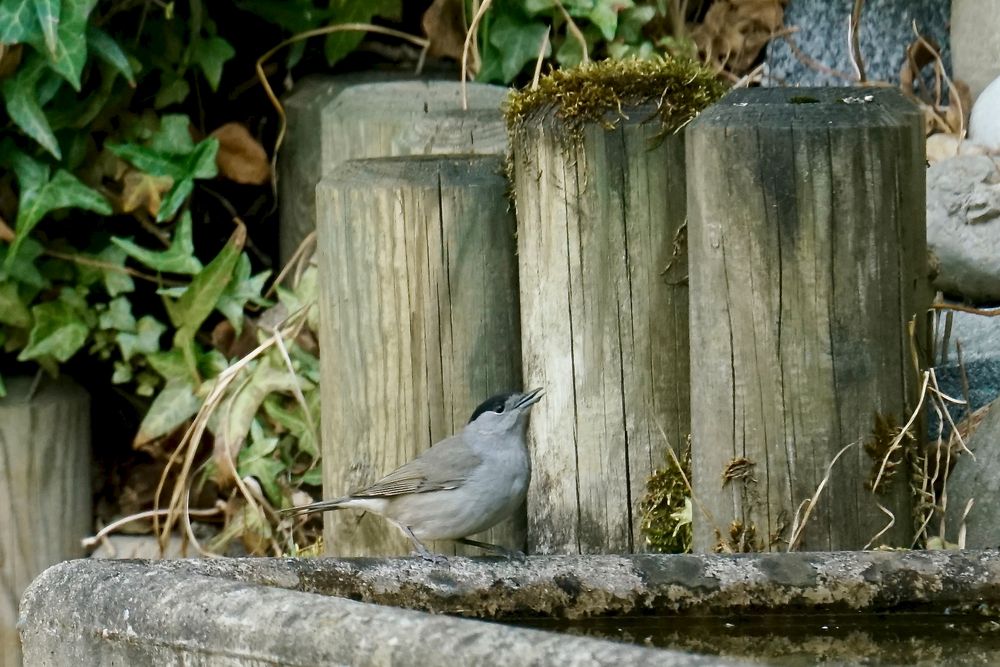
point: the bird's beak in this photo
(530, 398)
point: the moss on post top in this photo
(679, 89)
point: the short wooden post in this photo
(44, 490)
(807, 260)
(419, 322)
(343, 118)
(603, 263)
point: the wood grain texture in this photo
(808, 257)
(603, 321)
(301, 161)
(419, 322)
(375, 114)
(44, 490)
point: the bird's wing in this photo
(443, 466)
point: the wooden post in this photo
(419, 322)
(807, 260)
(343, 118)
(603, 319)
(301, 161)
(44, 490)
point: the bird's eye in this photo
(499, 410)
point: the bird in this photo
(462, 485)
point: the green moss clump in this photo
(666, 508)
(679, 88)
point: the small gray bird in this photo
(462, 485)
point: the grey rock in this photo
(979, 337)
(963, 226)
(886, 31)
(984, 125)
(976, 477)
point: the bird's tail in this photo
(312, 508)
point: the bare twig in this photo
(541, 58)
(854, 42)
(810, 504)
(469, 34)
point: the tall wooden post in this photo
(807, 260)
(603, 269)
(46, 507)
(418, 305)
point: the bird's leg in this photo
(422, 551)
(495, 548)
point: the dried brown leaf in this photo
(241, 158)
(10, 59)
(142, 190)
(733, 32)
(444, 25)
(6, 233)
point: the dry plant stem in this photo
(962, 526)
(574, 30)
(954, 429)
(892, 522)
(326, 30)
(106, 266)
(307, 244)
(752, 76)
(541, 58)
(944, 74)
(902, 433)
(112, 527)
(854, 41)
(993, 312)
(296, 390)
(469, 34)
(811, 63)
(193, 436)
(797, 527)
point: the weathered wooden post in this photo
(387, 116)
(44, 490)
(807, 260)
(418, 305)
(599, 184)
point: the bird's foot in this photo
(509, 554)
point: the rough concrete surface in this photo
(92, 612)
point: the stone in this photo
(963, 227)
(976, 478)
(100, 612)
(975, 42)
(139, 546)
(979, 337)
(984, 124)
(821, 35)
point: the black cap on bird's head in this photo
(507, 401)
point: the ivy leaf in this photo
(184, 168)
(170, 364)
(173, 135)
(242, 289)
(23, 268)
(13, 312)
(211, 55)
(174, 405)
(22, 99)
(41, 195)
(47, 12)
(178, 258)
(58, 332)
(294, 421)
(145, 340)
(118, 316)
(518, 40)
(258, 461)
(18, 22)
(115, 281)
(67, 45)
(604, 15)
(199, 300)
(106, 48)
(142, 190)
(174, 89)
(632, 21)
(339, 44)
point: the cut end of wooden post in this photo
(679, 88)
